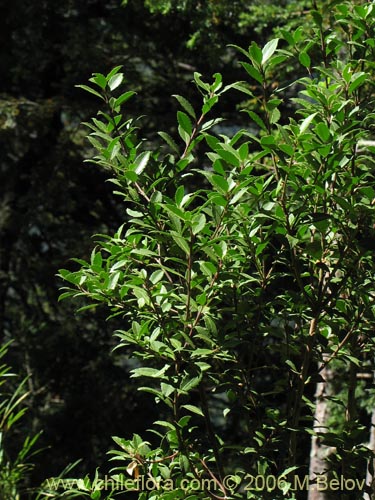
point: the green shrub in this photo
(242, 275)
(14, 470)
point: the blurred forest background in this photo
(52, 202)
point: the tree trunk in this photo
(370, 476)
(319, 451)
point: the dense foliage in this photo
(237, 295)
(242, 270)
(51, 203)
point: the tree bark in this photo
(370, 476)
(319, 451)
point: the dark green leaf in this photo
(181, 242)
(186, 105)
(99, 79)
(304, 59)
(229, 157)
(357, 80)
(89, 89)
(253, 72)
(123, 98)
(193, 409)
(256, 53)
(168, 139)
(323, 131)
(257, 119)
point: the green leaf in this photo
(113, 72)
(323, 131)
(180, 241)
(217, 83)
(242, 87)
(257, 119)
(149, 372)
(184, 421)
(284, 486)
(89, 89)
(166, 390)
(143, 251)
(96, 261)
(220, 250)
(275, 116)
(198, 223)
(81, 485)
(66, 295)
(298, 34)
(288, 37)
(113, 280)
(200, 83)
(292, 240)
(352, 359)
(277, 59)
(292, 366)
(134, 213)
(306, 123)
(240, 49)
(269, 49)
(156, 276)
(114, 147)
(184, 135)
(287, 148)
(218, 200)
(356, 80)
(181, 214)
(317, 16)
(99, 79)
(186, 105)
(253, 72)
(304, 59)
(210, 123)
(229, 157)
(115, 81)
(69, 276)
(220, 183)
(209, 103)
(118, 264)
(179, 195)
(141, 162)
(207, 268)
(268, 140)
(188, 383)
(193, 409)
(239, 194)
(123, 98)
(168, 139)
(289, 470)
(256, 53)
